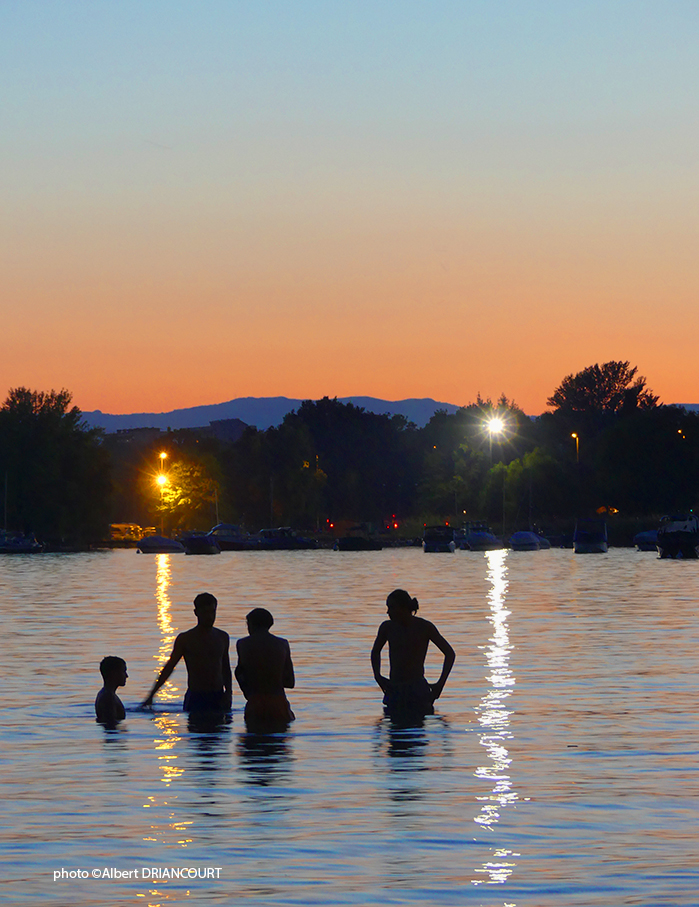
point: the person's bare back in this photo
(263, 671)
(205, 652)
(408, 637)
(407, 647)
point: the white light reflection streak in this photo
(494, 719)
(168, 724)
(163, 578)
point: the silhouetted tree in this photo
(610, 387)
(57, 471)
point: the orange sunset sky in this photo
(215, 200)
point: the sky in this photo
(208, 200)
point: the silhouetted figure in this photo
(205, 652)
(406, 691)
(264, 669)
(109, 709)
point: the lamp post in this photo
(495, 426)
(577, 446)
(161, 480)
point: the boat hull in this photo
(678, 537)
(590, 537)
(525, 541)
(600, 547)
(438, 547)
(158, 544)
(678, 546)
(354, 543)
(476, 536)
(201, 544)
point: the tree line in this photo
(606, 446)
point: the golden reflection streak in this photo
(163, 579)
(494, 719)
(168, 724)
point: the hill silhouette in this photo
(262, 412)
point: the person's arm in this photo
(449, 658)
(240, 671)
(288, 679)
(379, 643)
(168, 668)
(226, 673)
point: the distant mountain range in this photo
(262, 412)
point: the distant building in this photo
(228, 430)
(139, 437)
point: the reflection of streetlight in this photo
(162, 481)
(577, 446)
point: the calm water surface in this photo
(560, 769)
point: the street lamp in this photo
(577, 446)
(495, 426)
(161, 480)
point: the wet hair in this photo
(402, 599)
(110, 665)
(204, 599)
(259, 618)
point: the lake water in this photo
(560, 768)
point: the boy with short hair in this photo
(205, 652)
(109, 709)
(264, 669)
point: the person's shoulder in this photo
(220, 633)
(426, 625)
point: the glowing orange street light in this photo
(161, 480)
(577, 446)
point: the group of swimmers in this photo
(265, 669)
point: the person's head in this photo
(400, 604)
(259, 619)
(113, 671)
(205, 608)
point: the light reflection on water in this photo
(169, 692)
(494, 719)
(560, 768)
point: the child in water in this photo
(408, 636)
(109, 709)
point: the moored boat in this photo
(284, 538)
(590, 537)
(158, 544)
(200, 543)
(357, 538)
(477, 536)
(678, 536)
(19, 543)
(646, 540)
(525, 541)
(436, 539)
(230, 537)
